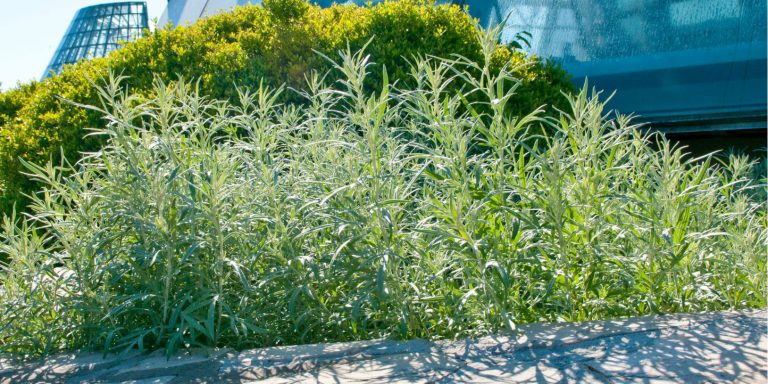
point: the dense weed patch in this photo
(404, 213)
(273, 43)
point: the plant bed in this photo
(408, 212)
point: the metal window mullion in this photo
(108, 32)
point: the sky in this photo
(30, 32)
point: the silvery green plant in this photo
(410, 212)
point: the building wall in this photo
(180, 12)
(669, 60)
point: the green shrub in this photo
(273, 44)
(321, 223)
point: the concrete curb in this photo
(717, 347)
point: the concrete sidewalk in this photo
(712, 347)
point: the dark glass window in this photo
(669, 60)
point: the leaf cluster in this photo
(408, 212)
(273, 44)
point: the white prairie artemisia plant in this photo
(410, 212)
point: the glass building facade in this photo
(97, 30)
(683, 65)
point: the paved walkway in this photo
(714, 347)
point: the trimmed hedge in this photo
(277, 43)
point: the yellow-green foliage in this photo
(277, 43)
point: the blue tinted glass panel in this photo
(97, 30)
(666, 58)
